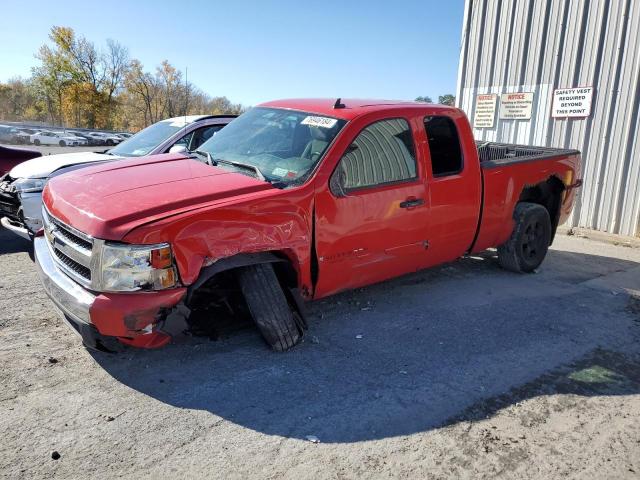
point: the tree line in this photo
(446, 99)
(78, 84)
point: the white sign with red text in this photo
(485, 111)
(516, 106)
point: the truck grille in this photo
(73, 265)
(72, 237)
(72, 250)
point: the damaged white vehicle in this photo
(21, 188)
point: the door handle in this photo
(411, 203)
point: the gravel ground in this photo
(463, 371)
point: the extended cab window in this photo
(382, 153)
(444, 146)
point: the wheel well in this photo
(549, 195)
(283, 267)
(217, 288)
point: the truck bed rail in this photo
(495, 154)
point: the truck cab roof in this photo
(350, 107)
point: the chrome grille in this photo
(72, 250)
(72, 237)
(73, 265)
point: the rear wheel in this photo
(268, 305)
(36, 142)
(109, 142)
(530, 240)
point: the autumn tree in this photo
(77, 80)
(78, 83)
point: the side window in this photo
(201, 135)
(444, 146)
(192, 140)
(184, 141)
(381, 153)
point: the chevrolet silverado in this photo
(293, 201)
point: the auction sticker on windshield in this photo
(323, 122)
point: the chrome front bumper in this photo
(73, 300)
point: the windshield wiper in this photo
(207, 155)
(246, 166)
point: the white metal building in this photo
(577, 65)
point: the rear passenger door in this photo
(454, 188)
(371, 224)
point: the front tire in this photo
(528, 245)
(268, 305)
(61, 143)
(36, 142)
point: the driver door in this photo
(371, 223)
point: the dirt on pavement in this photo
(462, 371)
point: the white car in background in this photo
(21, 189)
(56, 138)
(81, 141)
(106, 138)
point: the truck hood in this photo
(42, 167)
(108, 200)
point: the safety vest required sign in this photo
(485, 111)
(572, 102)
(516, 106)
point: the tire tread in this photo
(269, 307)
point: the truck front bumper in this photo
(135, 319)
(74, 301)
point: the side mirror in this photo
(337, 181)
(178, 149)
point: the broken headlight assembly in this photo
(29, 185)
(128, 268)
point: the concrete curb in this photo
(613, 239)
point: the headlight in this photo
(127, 268)
(28, 185)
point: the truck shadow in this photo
(456, 343)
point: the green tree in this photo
(425, 99)
(447, 99)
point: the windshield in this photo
(283, 145)
(146, 140)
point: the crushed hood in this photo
(109, 200)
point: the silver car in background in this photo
(21, 189)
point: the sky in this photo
(253, 51)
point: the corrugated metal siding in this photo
(540, 45)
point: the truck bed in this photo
(507, 170)
(494, 154)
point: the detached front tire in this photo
(269, 307)
(530, 240)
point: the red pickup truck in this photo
(293, 201)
